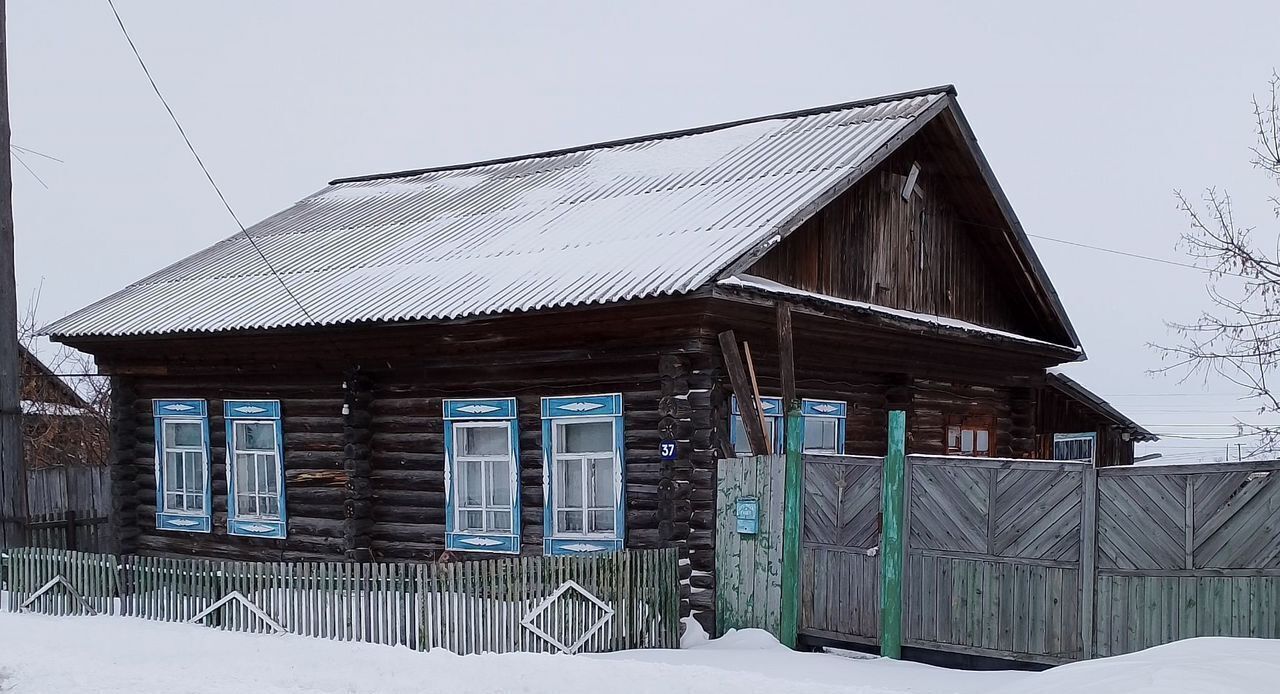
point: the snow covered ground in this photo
(61, 655)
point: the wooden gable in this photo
(945, 247)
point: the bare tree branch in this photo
(1238, 338)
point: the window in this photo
(971, 435)
(773, 414)
(183, 500)
(583, 454)
(1082, 447)
(482, 473)
(823, 426)
(255, 468)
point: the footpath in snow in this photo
(63, 655)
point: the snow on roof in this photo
(768, 286)
(645, 217)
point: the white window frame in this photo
(276, 468)
(586, 509)
(486, 475)
(166, 448)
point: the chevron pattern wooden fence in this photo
(994, 557)
(1032, 560)
(1187, 551)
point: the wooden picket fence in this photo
(525, 604)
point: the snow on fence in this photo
(527, 604)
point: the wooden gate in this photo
(840, 573)
(994, 557)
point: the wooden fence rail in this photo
(527, 604)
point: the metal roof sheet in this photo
(622, 220)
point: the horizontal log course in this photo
(313, 478)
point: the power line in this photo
(21, 161)
(28, 150)
(200, 161)
(1128, 254)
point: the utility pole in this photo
(13, 475)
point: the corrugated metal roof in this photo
(636, 218)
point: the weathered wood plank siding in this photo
(749, 566)
(936, 252)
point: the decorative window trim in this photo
(827, 409)
(1090, 436)
(973, 422)
(194, 412)
(568, 410)
(470, 411)
(257, 412)
(773, 411)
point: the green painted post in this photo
(791, 522)
(891, 506)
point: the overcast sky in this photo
(1091, 118)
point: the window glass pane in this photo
(819, 434)
(255, 436)
(489, 440)
(966, 441)
(173, 471)
(194, 473)
(500, 483)
(601, 521)
(569, 491)
(270, 507)
(245, 474)
(569, 521)
(602, 482)
(246, 504)
(472, 520)
(741, 446)
(182, 434)
(984, 444)
(471, 484)
(953, 437)
(270, 480)
(500, 520)
(173, 502)
(586, 437)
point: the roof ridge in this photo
(940, 89)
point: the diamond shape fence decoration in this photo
(569, 617)
(72, 602)
(237, 599)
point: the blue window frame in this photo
(184, 502)
(824, 422)
(824, 425)
(255, 468)
(773, 416)
(583, 476)
(482, 475)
